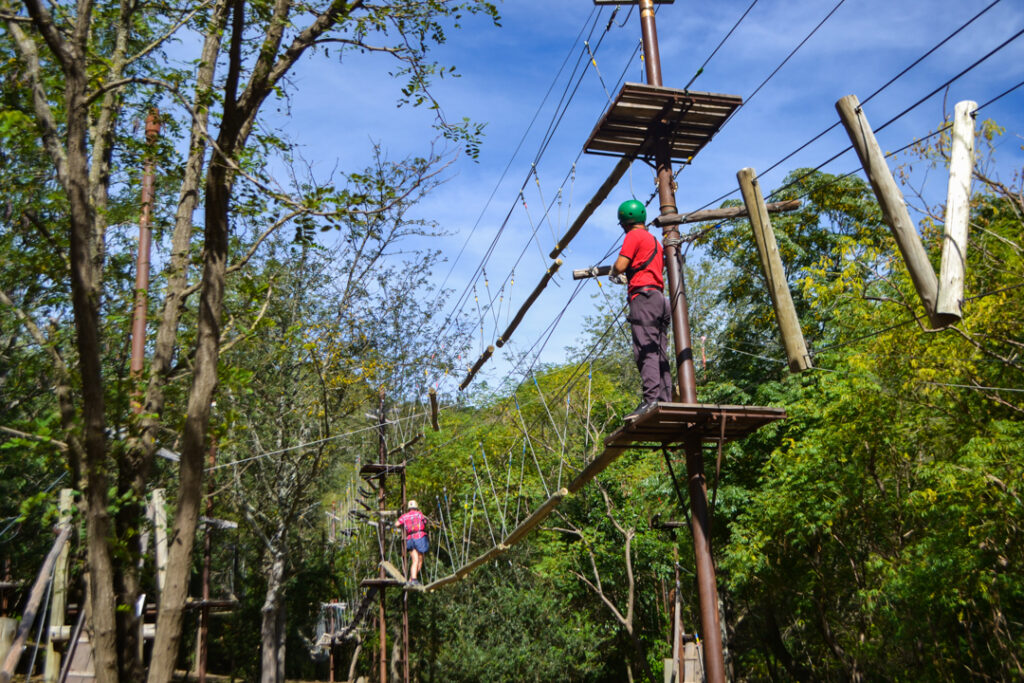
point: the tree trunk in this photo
(85, 300)
(197, 422)
(272, 624)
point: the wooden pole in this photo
(507, 334)
(894, 208)
(159, 501)
(382, 451)
(405, 595)
(204, 610)
(774, 273)
(59, 606)
(433, 410)
(35, 597)
(595, 201)
(476, 367)
(949, 308)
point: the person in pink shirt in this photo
(415, 524)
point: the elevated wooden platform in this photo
(380, 583)
(669, 424)
(372, 470)
(688, 119)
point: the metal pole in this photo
(714, 664)
(142, 260)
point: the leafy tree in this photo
(87, 69)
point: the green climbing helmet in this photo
(632, 211)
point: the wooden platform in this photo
(690, 119)
(668, 424)
(380, 583)
(375, 469)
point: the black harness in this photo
(631, 271)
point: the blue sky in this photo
(505, 73)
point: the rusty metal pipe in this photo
(652, 60)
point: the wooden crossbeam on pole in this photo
(894, 208)
(725, 214)
(774, 273)
(949, 308)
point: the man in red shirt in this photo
(416, 541)
(641, 260)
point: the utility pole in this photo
(686, 376)
(142, 259)
(656, 134)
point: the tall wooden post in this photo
(204, 610)
(774, 273)
(158, 499)
(382, 453)
(958, 212)
(890, 199)
(405, 597)
(714, 662)
(59, 605)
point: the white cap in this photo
(412, 505)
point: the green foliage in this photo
(506, 624)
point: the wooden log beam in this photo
(35, 597)
(507, 334)
(949, 308)
(774, 273)
(476, 367)
(602, 193)
(594, 271)
(538, 516)
(433, 410)
(726, 213)
(517, 534)
(357, 618)
(596, 466)
(894, 208)
(405, 446)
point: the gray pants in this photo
(649, 317)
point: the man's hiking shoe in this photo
(414, 582)
(640, 410)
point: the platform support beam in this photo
(714, 663)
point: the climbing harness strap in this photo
(631, 271)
